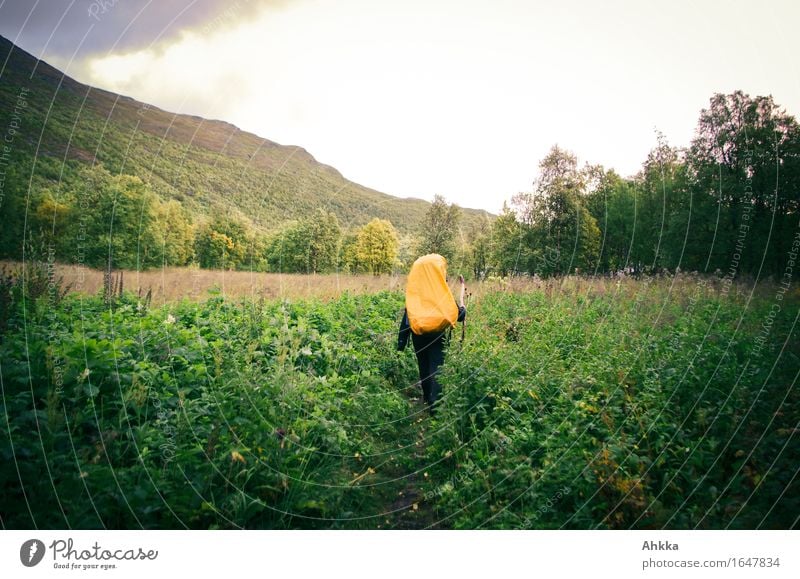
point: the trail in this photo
(405, 504)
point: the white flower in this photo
(170, 319)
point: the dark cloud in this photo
(122, 24)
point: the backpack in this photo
(429, 304)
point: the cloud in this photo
(418, 97)
(90, 27)
(195, 74)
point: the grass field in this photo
(175, 283)
(573, 403)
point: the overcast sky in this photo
(421, 97)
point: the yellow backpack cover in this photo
(429, 304)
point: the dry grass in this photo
(175, 283)
(680, 288)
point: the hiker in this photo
(430, 312)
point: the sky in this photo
(414, 97)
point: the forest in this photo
(727, 204)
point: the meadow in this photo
(169, 284)
(661, 402)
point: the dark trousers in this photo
(429, 349)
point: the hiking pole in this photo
(464, 321)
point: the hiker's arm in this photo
(405, 332)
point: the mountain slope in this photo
(205, 164)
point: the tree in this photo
(745, 158)
(324, 240)
(348, 260)
(438, 228)
(173, 236)
(311, 245)
(257, 256)
(671, 226)
(13, 189)
(560, 233)
(473, 251)
(223, 243)
(559, 170)
(507, 243)
(214, 249)
(612, 203)
(376, 247)
(407, 251)
(112, 219)
(287, 250)
(51, 219)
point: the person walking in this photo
(429, 316)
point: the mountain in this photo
(207, 165)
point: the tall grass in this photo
(175, 283)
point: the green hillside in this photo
(207, 165)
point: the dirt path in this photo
(409, 509)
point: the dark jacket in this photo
(405, 327)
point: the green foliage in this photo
(51, 218)
(325, 236)
(473, 247)
(375, 248)
(641, 407)
(559, 233)
(213, 415)
(99, 219)
(406, 251)
(115, 214)
(437, 232)
(744, 163)
(174, 238)
(259, 414)
(311, 245)
(287, 250)
(223, 243)
(613, 206)
(508, 250)
(727, 203)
